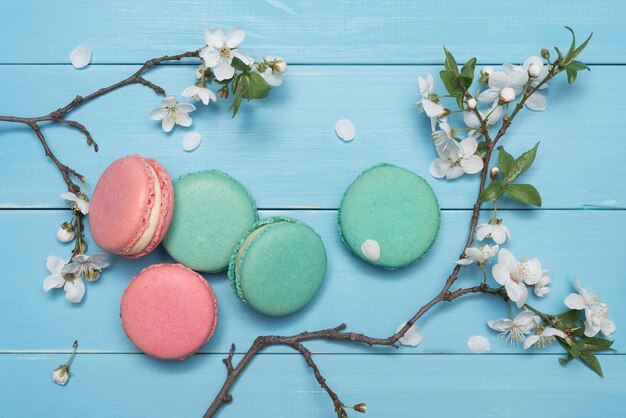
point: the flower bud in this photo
(545, 53)
(471, 103)
(280, 66)
(494, 173)
(507, 95)
(360, 407)
(65, 233)
(61, 375)
(488, 70)
(534, 70)
(223, 92)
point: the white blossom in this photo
(478, 255)
(478, 344)
(87, 266)
(199, 93)
(490, 116)
(172, 113)
(517, 328)
(76, 202)
(427, 104)
(495, 229)
(544, 337)
(514, 77)
(443, 138)
(73, 285)
(541, 287)
(596, 313)
(535, 65)
(61, 375)
(220, 51)
(455, 161)
(515, 274)
(412, 337)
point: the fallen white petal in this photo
(412, 337)
(345, 129)
(371, 249)
(80, 56)
(191, 141)
(478, 344)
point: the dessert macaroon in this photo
(278, 266)
(131, 207)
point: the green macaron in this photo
(389, 216)
(278, 266)
(211, 212)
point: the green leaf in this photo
(565, 360)
(449, 81)
(568, 318)
(602, 342)
(257, 86)
(493, 192)
(524, 193)
(466, 77)
(482, 147)
(505, 160)
(521, 164)
(574, 51)
(590, 360)
(572, 70)
(238, 64)
(450, 63)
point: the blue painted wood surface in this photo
(285, 151)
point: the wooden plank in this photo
(281, 386)
(285, 149)
(587, 243)
(381, 32)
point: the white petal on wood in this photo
(80, 56)
(412, 337)
(345, 129)
(191, 141)
(478, 344)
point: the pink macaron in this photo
(169, 311)
(131, 207)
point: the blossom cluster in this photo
(229, 66)
(467, 153)
(69, 274)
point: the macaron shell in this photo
(169, 311)
(166, 212)
(211, 212)
(281, 268)
(122, 202)
(394, 207)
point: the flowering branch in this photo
(457, 157)
(221, 61)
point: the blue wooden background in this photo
(356, 60)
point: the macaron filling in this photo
(246, 242)
(153, 222)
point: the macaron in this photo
(389, 216)
(169, 311)
(131, 206)
(278, 266)
(212, 210)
